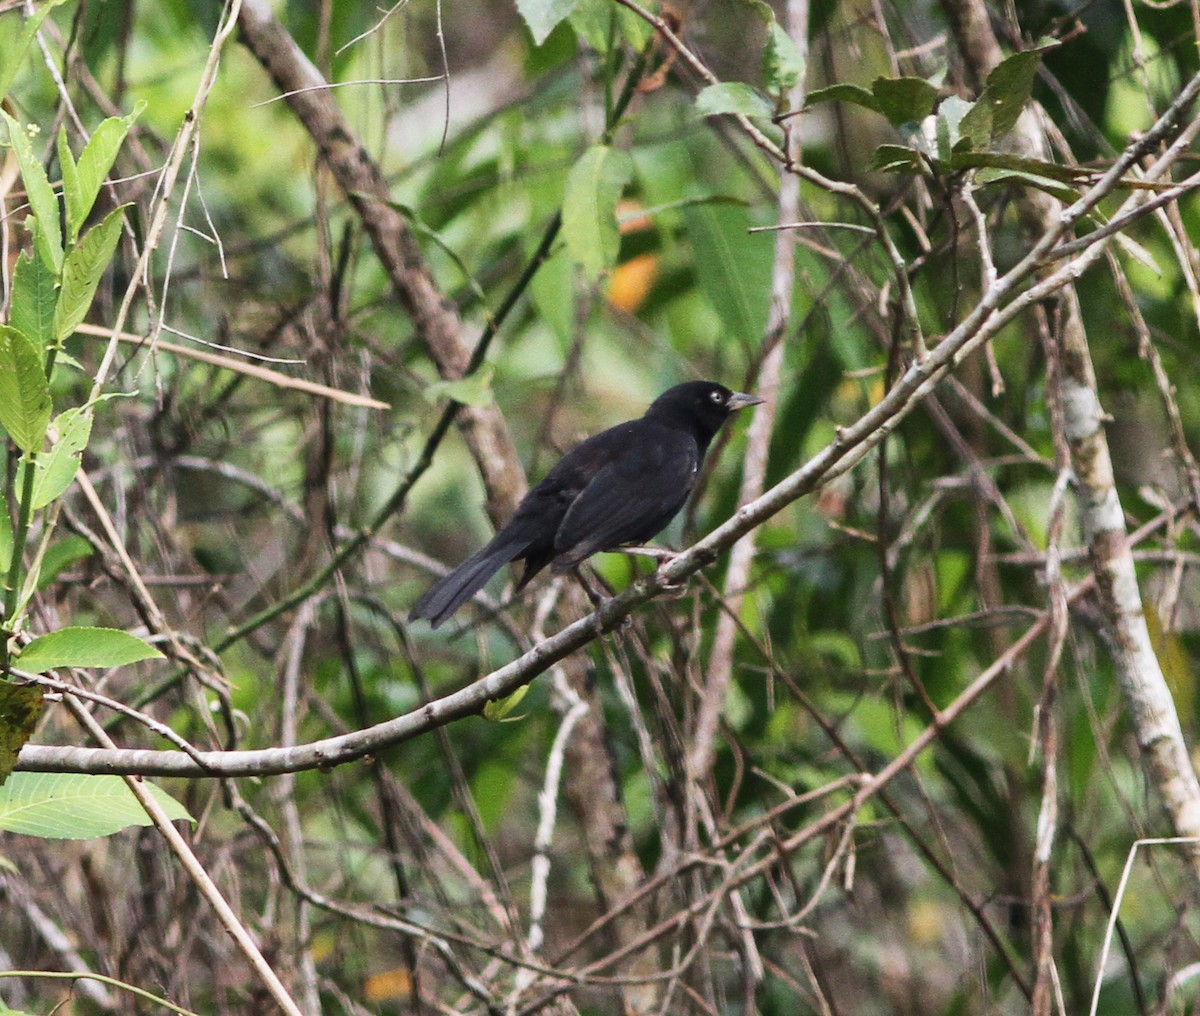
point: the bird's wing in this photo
(631, 498)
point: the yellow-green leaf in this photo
(74, 806)
(82, 272)
(84, 647)
(39, 193)
(89, 174)
(472, 390)
(733, 97)
(14, 53)
(499, 710)
(33, 298)
(589, 212)
(24, 393)
(57, 468)
(734, 267)
(6, 540)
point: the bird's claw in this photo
(673, 590)
(662, 557)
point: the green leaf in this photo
(1043, 183)
(60, 557)
(783, 66)
(1136, 251)
(95, 161)
(82, 272)
(65, 359)
(543, 16)
(1002, 167)
(24, 393)
(593, 21)
(6, 540)
(553, 294)
(1008, 87)
(901, 100)
(733, 97)
(994, 114)
(1020, 164)
(73, 806)
(15, 53)
(473, 390)
(898, 159)
(733, 266)
(57, 468)
(843, 93)
(976, 127)
(33, 298)
(589, 211)
(498, 710)
(84, 647)
(40, 195)
(904, 100)
(20, 708)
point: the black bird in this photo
(621, 486)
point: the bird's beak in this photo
(740, 400)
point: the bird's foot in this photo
(673, 590)
(662, 556)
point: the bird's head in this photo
(702, 405)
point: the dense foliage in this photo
(889, 755)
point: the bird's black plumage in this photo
(621, 486)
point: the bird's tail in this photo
(444, 597)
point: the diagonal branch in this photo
(434, 317)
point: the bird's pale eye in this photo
(717, 397)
